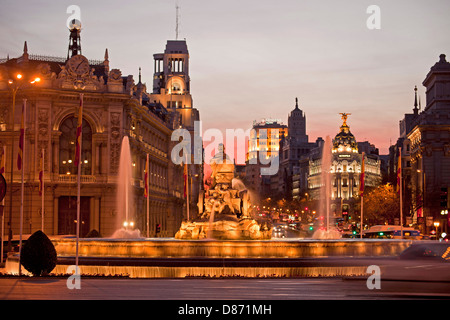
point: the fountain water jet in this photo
(327, 232)
(125, 195)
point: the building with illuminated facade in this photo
(172, 92)
(429, 140)
(114, 106)
(265, 140)
(345, 171)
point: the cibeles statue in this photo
(224, 212)
(221, 197)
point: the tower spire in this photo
(106, 55)
(25, 53)
(106, 61)
(416, 110)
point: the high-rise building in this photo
(172, 92)
(266, 137)
(293, 148)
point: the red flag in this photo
(21, 138)
(399, 170)
(79, 128)
(146, 179)
(41, 173)
(362, 176)
(3, 161)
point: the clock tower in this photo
(171, 83)
(74, 39)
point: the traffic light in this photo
(311, 228)
(345, 215)
(444, 197)
(158, 228)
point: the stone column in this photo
(55, 214)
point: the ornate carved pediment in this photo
(115, 76)
(78, 74)
(45, 71)
(43, 122)
(115, 83)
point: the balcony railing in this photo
(72, 178)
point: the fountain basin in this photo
(171, 258)
(172, 248)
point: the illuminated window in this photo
(67, 147)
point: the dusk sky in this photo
(249, 59)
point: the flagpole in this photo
(3, 164)
(361, 187)
(148, 196)
(78, 213)
(401, 193)
(43, 188)
(186, 181)
(22, 137)
(78, 159)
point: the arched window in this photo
(67, 147)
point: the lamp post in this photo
(436, 225)
(15, 83)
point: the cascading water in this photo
(328, 231)
(125, 203)
(239, 185)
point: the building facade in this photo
(266, 139)
(114, 107)
(429, 139)
(294, 147)
(345, 171)
(172, 92)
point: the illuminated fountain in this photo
(124, 219)
(327, 231)
(223, 241)
(224, 209)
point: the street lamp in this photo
(436, 225)
(16, 82)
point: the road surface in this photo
(224, 289)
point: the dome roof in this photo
(345, 141)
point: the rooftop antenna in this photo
(177, 7)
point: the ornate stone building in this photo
(172, 93)
(293, 148)
(345, 171)
(429, 139)
(113, 107)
